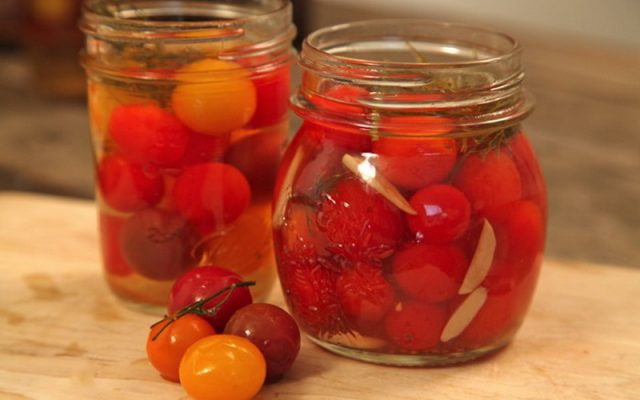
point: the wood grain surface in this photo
(64, 336)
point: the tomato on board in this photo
(205, 281)
(166, 350)
(222, 367)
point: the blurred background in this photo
(582, 59)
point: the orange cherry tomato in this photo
(223, 367)
(215, 97)
(166, 351)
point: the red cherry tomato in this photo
(222, 367)
(364, 293)
(502, 313)
(203, 282)
(166, 350)
(310, 289)
(519, 230)
(272, 97)
(300, 234)
(415, 326)
(412, 157)
(128, 186)
(443, 214)
(148, 133)
(430, 272)
(360, 222)
(489, 180)
(157, 244)
(211, 195)
(533, 185)
(202, 148)
(273, 331)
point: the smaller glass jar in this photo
(188, 112)
(410, 210)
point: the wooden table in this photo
(64, 336)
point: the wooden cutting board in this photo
(64, 336)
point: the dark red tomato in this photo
(202, 148)
(112, 259)
(359, 222)
(443, 214)
(489, 180)
(430, 272)
(128, 186)
(157, 244)
(519, 230)
(257, 157)
(272, 97)
(148, 133)
(364, 293)
(202, 282)
(415, 326)
(300, 234)
(310, 290)
(211, 195)
(273, 331)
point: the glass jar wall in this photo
(188, 111)
(410, 210)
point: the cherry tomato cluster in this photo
(216, 342)
(408, 243)
(180, 164)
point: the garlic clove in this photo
(464, 314)
(481, 260)
(366, 171)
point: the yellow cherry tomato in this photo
(214, 97)
(222, 367)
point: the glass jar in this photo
(410, 210)
(188, 112)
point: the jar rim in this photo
(400, 25)
(358, 72)
(109, 12)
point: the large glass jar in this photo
(188, 112)
(410, 210)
